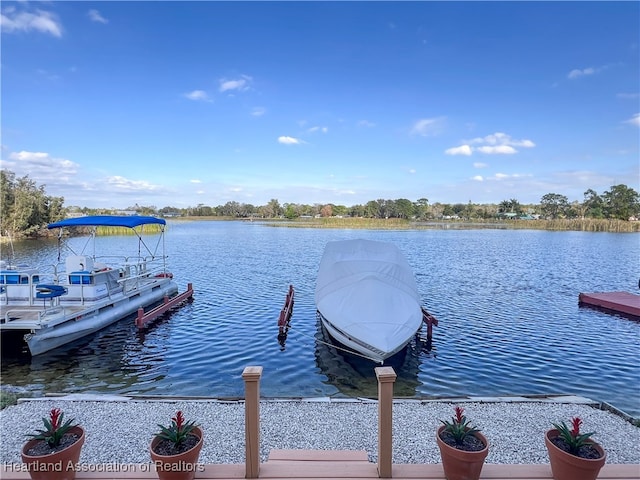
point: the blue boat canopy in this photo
(107, 221)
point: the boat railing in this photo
(39, 316)
(17, 286)
(137, 269)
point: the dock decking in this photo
(334, 464)
(621, 302)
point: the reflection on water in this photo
(506, 301)
(354, 375)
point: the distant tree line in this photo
(25, 209)
(619, 202)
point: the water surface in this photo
(506, 300)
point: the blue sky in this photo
(109, 104)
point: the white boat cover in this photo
(368, 290)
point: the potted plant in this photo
(462, 448)
(175, 449)
(573, 455)
(54, 452)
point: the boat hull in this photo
(92, 320)
(355, 346)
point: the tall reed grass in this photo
(143, 229)
(584, 225)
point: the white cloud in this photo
(95, 16)
(285, 140)
(241, 84)
(366, 123)
(39, 164)
(506, 176)
(480, 165)
(635, 120)
(318, 129)
(195, 181)
(258, 111)
(40, 21)
(496, 143)
(500, 138)
(499, 149)
(576, 72)
(198, 95)
(461, 150)
(124, 184)
(478, 178)
(427, 127)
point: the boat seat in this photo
(50, 291)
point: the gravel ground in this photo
(119, 431)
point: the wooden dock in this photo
(321, 464)
(619, 302)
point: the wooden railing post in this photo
(251, 376)
(386, 377)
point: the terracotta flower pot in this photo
(565, 466)
(56, 466)
(460, 464)
(177, 467)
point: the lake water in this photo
(506, 300)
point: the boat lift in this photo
(430, 321)
(284, 319)
(144, 319)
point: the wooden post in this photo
(251, 376)
(386, 377)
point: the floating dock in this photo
(619, 302)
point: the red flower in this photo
(459, 414)
(54, 415)
(576, 422)
(179, 419)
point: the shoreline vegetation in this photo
(583, 225)
(359, 223)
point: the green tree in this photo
(554, 205)
(26, 208)
(340, 210)
(404, 208)
(593, 204)
(421, 207)
(273, 208)
(621, 202)
(372, 209)
(290, 211)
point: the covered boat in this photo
(82, 293)
(367, 297)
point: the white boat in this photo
(84, 293)
(367, 297)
